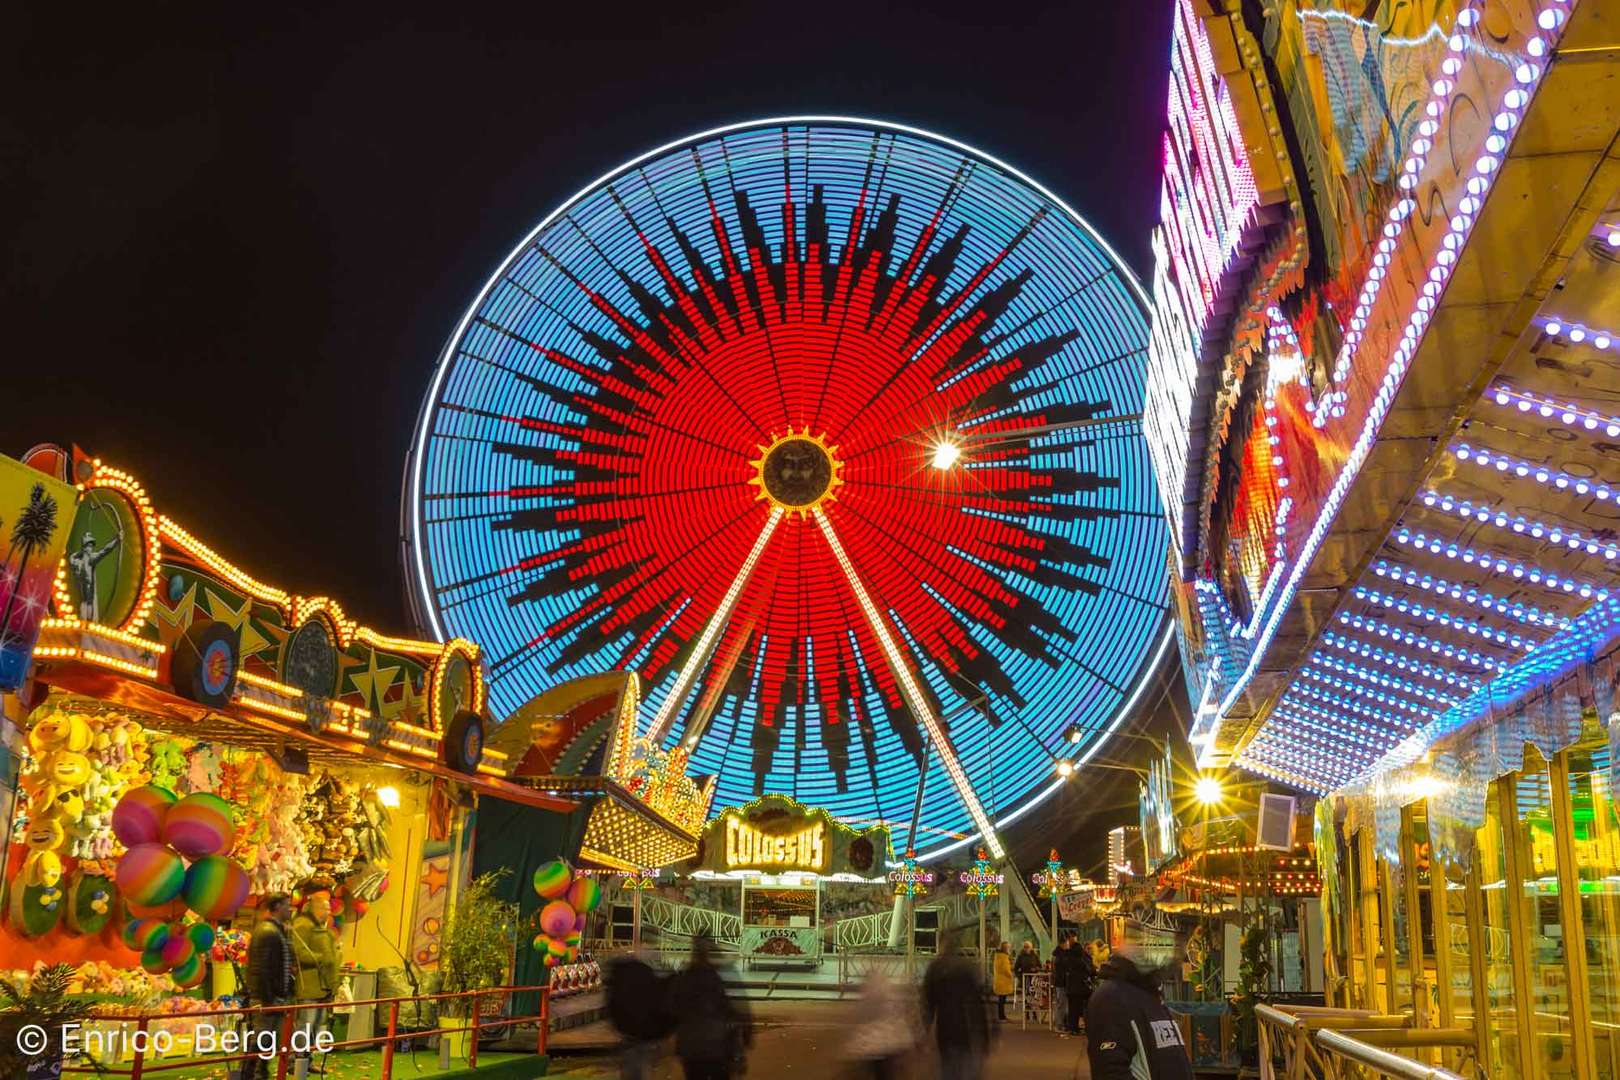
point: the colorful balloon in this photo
(579, 921)
(152, 960)
(556, 947)
(552, 879)
(164, 912)
(584, 894)
(189, 974)
(551, 959)
(201, 935)
(178, 948)
(200, 824)
(131, 934)
(216, 887)
(138, 818)
(557, 918)
(539, 943)
(572, 940)
(150, 874)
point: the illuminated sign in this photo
(749, 848)
(981, 880)
(1221, 172)
(1158, 814)
(911, 879)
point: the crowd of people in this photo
(1118, 1006)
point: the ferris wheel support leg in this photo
(711, 635)
(914, 698)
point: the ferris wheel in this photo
(826, 428)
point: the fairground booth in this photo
(183, 738)
(1383, 403)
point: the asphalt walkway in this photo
(802, 1039)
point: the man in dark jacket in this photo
(1130, 1035)
(953, 1002)
(1082, 980)
(271, 979)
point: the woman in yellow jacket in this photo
(1001, 978)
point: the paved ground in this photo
(801, 1039)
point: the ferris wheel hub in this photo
(797, 472)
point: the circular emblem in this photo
(205, 663)
(310, 664)
(797, 472)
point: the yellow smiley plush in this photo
(44, 835)
(66, 768)
(61, 731)
(67, 806)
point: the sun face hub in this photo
(797, 472)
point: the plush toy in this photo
(167, 764)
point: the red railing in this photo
(141, 1038)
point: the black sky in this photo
(240, 234)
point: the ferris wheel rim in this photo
(419, 587)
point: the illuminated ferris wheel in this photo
(813, 424)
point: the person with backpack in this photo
(1082, 981)
(637, 1006)
(1130, 1035)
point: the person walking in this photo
(320, 958)
(1130, 1034)
(1082, 980)
(1061, 959)
(885, 1029)
(953, 1002)
(1001, 978)
(713, 1031)
(271, 980)
(1027, 962)
(636, 1004)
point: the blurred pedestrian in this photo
(638, 1006)
(1082, 980)
(885, 1030)
(1001, 978)
(953, 1001)
(713, 1030)
(1130, 1034)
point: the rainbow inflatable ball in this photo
(150, 874)
(552, 879)
(137, 933)
(152, 961)
(198, 825)
(201, 935)
(178, 949)
(584, 894)
(556, 949)
(189, 974)
(138, 818)
(557, 919)
(215, 887)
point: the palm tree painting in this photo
(31, 506)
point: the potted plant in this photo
(41, 1004)
(1254, 976)
(474, 954)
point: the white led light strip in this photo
(711, 633)
(914, 697)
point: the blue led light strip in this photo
(1442, 618)
(1526, 613)
(1541, 474)
(1399, 661)
(1553, 534)
(1379, 679)
(1355, 707)
(1502, 565)
(1426, 644)
(1575, 416)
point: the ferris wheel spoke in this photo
(913, 694)
(710, 637)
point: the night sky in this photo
(239, 236)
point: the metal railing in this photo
(1313, 1043)
(246, 1029)
(687, 920)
